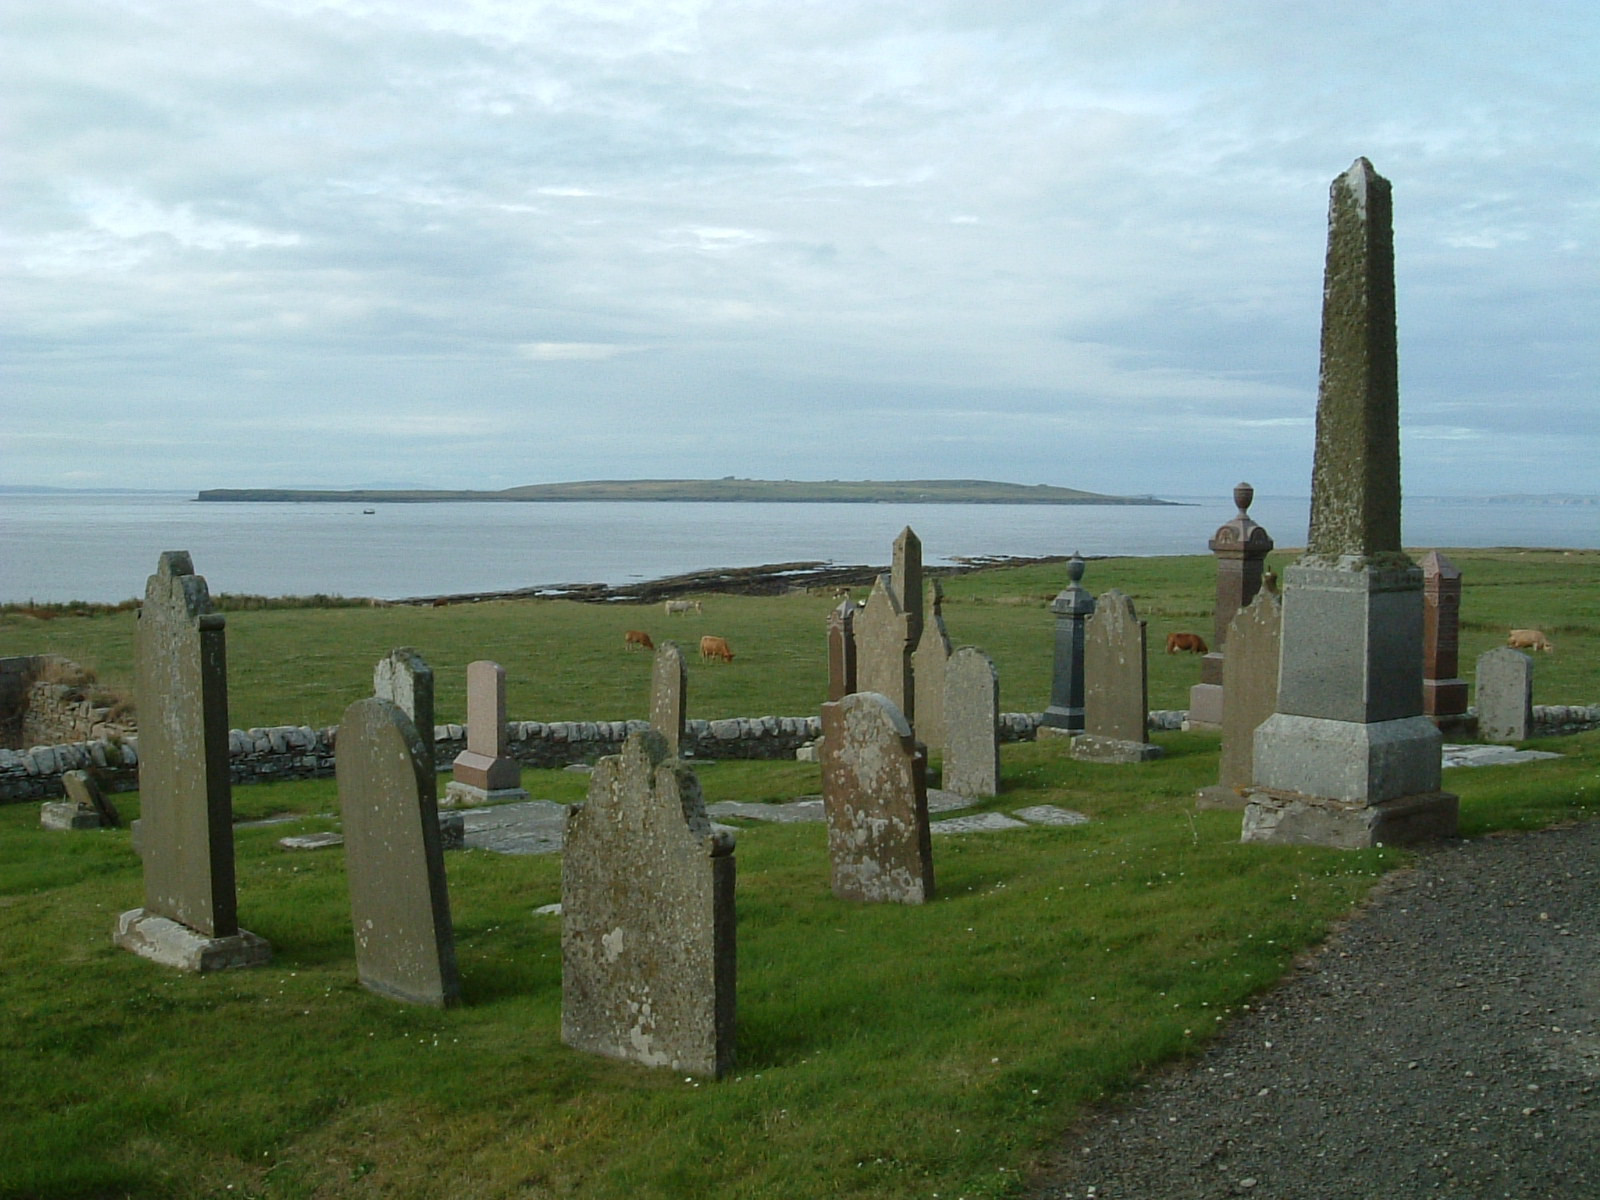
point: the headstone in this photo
(1073, 607)
(85, 805)
(190, 914)
(1241, 547)
(889, 626)
(1116, 701)
(399, 907)
(1505, 695)
(482, 772)
(1349, 759)
(669, 688)
(928, 670)
(647, 939)
(972, 724)
(1249, 696)
(1444, 693)
(842, 650)
(406, 681)
(875, 800)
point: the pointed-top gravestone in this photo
(928, 671)
(1116, 698)
(669, 689)
(647, 940)
(875, 801)
(842, 650)
(482, 772)
(1348, 759)
(399, 906)
(883, 647)
(190, 914)
(1073, 606)
(905, 576)
(406, 681)
(972, 724)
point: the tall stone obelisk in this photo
(1349, 759)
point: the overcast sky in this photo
(435, 243)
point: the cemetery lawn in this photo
(884, 1051)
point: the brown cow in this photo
(639, 638)
(1529, 639)
(715, 647)
(1188, 643)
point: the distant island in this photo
(905, 491)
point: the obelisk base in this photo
(163, 940)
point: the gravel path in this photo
(1446, 1040)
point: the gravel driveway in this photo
(1445, 1041)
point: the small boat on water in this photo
(367, 512)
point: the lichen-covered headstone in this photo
(190, 914)
(1116, 686)
(404, 679)
(972, 724)
(483, 771)
(1249, 696)
(1349, 759)
(647, 941)
(1505, 695)
(875, 799)
(669, 689)
(928, 671)
(889, 626)
(399, 906)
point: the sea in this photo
(59, 547)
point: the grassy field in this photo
(883, 1051)
(566, 660)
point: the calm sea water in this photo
(62, 547)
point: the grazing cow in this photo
(715, 647)
(1188, 643)
(1529, 639)
(841, 593)
(639, 638)
(682, 606)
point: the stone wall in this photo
(37, 711)
(300, 752)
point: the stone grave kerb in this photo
(649, 959)
(669, 691)
(1073, 606)
(394, 857)
(1349, 759)
(185, 831)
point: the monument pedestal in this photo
(163, 940)
(1291, 818)
(1090, 747)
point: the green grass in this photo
(884, 1051)
(566, 660)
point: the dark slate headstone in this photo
(1073, 607)
(1349, 759)
(190, 915)
(875, 800)
(972, 724)
(647, 902)
(1116, 700)
(669, 689)
(399, 906)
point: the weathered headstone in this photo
(1505, 695)
(1249, 696)
(399, 906)
(1073, 606)
(1348, 759)
(972, 724)
(888, 628)
(404, 679)
(483, 772)
(1116, 701)
(647, 940)
(85, 805)
(190, 914)
(875, 800)
(1444, 693)
(669, 689)
(842, 650)
(1241, 548)
(928, 669)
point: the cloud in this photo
(572, 351)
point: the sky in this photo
(386, 243)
